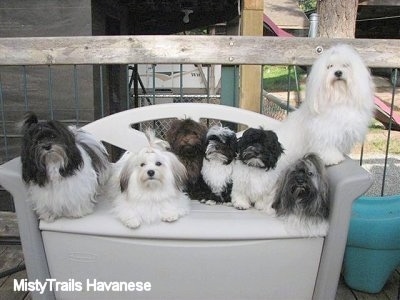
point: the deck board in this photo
(8, 228)
(343, 292)
(11, 256)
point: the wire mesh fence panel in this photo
(161, 126)
(272, 109)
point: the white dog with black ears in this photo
(338, 106)
(151, 184)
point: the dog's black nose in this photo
(300, 178)
(151, 173)
(338, 73)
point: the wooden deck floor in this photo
(11, 256)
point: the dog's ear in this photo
(244, 139)
(212, 137)
(274, 148)
(232, 141)
(29, 119)
(123, 181)
(232, 145)
(283, 201)
(325, 203)
(178, 170)
(316, 161)
(124, 176)
(323, 187)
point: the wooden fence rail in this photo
(229, 50)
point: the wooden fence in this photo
(229, 50)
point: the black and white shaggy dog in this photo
(187, 139)
(218, 164)
(258, 153)
(302, 192)
(63, 168)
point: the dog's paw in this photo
(131, 222)
(170, 217)
(269, 210)
(49, 218)
(242, 205)
(210, 202)
(260, 205)
(265, 204)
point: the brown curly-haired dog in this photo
(187, 139)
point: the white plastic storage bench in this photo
(215, 252)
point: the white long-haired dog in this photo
(63, 167)
(334, 116)
(151, 184)
(338, 106)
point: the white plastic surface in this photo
(203, 223)
(186, 269)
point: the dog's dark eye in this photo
(329, 66)
(142, 164)
(310, 174)
(158, 163)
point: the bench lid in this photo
(204, 222)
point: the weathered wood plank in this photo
(391, 289)
(7, 288)
(186, 49)
(8, 225)
(343, 292)
(11, 256)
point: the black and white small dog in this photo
(302, 192)
(63, 168)
(218, 164)
(258, 154)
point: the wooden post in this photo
(250, 75)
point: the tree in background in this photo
(337, 19)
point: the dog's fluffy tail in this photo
(156, 142)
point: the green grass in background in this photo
(276, 78)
